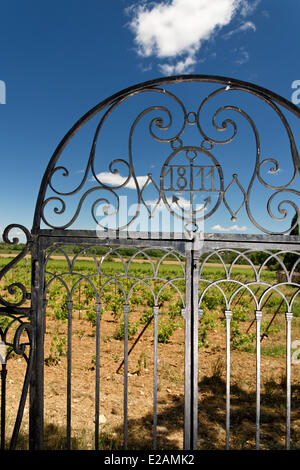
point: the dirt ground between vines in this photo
(170, 392)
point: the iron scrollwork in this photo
(273, 163)
(191, 174)
(14, 324)
(16, 288)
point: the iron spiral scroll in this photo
(16, 333)
(168, 127)
(20, 325)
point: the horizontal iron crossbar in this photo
(209, 240)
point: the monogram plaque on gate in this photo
(191, 183)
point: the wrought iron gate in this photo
(198, 182)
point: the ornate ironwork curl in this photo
(159, 124)
(16, 287)
(258, 164)
(15, 345)
(23, 348)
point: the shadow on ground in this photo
(211, 427)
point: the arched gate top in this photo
(196, 178)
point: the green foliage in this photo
(4, 322)
(14, 249)
(290, 259)
(57, 350)
(120, 332)
(136, 299)
(148, 313)
(91, 315)
(175, 309)
(142, 362)
(114, 303)
(240, 340)
(295, 230)
(61, 311)
(141, 298)
(207, 322)
(278, 350)
(275, 327)
(211, 302)
(241, 313)
(296, 309)
(109, 441)
(165, 330)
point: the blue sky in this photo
(58, 59)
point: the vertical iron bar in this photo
(36, 398)
(18, 421)
(228, 316)
(187, 352)
(258, 317)
(3, 404)
(200, 315)
(155, 360)
(289, 317)
(69, 373)
(262, 306)
(191, 347)
(97, 372)
(195, 346)
(271, 321)
(135, 342)
(126, 313)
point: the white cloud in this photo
(146, 68)
(180, 200)
(14, 233)
(243, 56)
(182, 66)
(265, 13)
(246, 26)
(115, 179)
(247, 8)
(169, 29)
(234, 228)
(176, 28)
(175, 204)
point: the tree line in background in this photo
(257, 257)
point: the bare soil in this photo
(170, 392)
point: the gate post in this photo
(191, 346)
(36, 398)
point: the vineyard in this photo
(71, 306)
